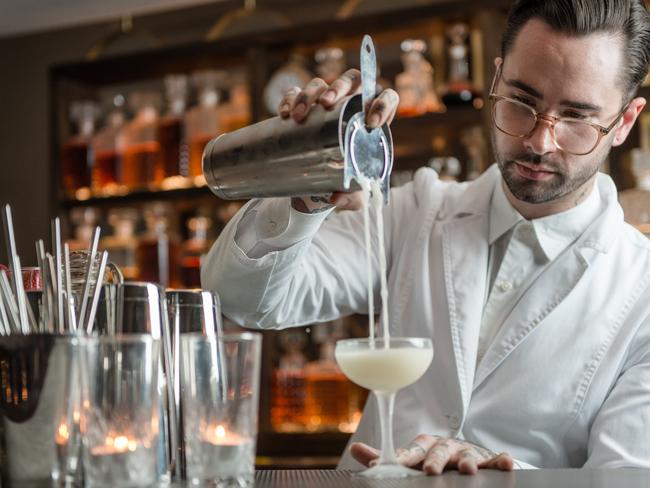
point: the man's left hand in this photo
(434, 454)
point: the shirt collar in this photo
(555, 232)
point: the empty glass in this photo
(220, 409)
(120, 418)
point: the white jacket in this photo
(566, 382)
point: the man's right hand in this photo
(297, 103)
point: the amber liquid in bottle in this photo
(173, 151)
(196, 153)
(76, 165)
(327, 399)
(159, 261)
(105, 169)
(288, 404)
(141, 164)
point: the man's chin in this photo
(530, 191)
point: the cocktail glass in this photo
(385, 366)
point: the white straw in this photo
(98, 288)
(56, 238)
(72, 320)
(46, 313)
(14, 264)
(83, 306)
(12, 308)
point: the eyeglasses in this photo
(574, 136)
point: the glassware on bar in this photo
(39, 383)
(107, 167)
(76, 152)
(203, 122)
(220, 395)
(141, 163)
(171, 131)
(120, 417)
(293, 73)
(385, 366)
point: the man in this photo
(535, 292)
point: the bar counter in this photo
(542, 478)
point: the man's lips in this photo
(535, 174)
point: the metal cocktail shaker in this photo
(323, 154)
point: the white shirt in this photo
(520, 250)
(566, 381)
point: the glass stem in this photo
(386, 402)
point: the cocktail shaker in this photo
(323, 154)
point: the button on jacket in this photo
(565, 382)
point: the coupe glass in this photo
(385, 366)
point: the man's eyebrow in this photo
(523, 87)
(566, 103)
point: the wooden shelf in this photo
(139, 196)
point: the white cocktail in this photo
(385, 366)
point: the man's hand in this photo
(297, 103)
(434, 454)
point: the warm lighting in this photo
(116, 445)
(220, 431)
(219, 435)
(62, 434)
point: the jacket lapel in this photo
(547, 292)
(465, 259)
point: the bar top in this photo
(543, 478)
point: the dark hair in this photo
(628, 19)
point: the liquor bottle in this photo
(159, 250)
(194, 249)
(76, 152)
(84, 220)
(415, 83)
(236, 112)
(288, 387)
(293, 73)
(636, 201)
(171, 132)
(203, 122)
(122, 244)
(330, 63)
(107, 167)
(328, 391)
(459, 89)
(141, 151)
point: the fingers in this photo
(502, 462)
(347, 201)
(383, 109)
(417, 450)
(306, 98)
(288, 101)
(363, 453)
(347, 84)
(439, 456)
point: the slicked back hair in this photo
(628, 20)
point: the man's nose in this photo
(541, 139)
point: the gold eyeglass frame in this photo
(551, 119)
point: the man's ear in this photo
(628, 119)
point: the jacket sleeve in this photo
(320, 278)
(620, 434)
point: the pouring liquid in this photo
(373, 197)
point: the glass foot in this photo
(383, 471)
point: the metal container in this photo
(38, 423)
(279, 157)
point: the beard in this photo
(561, 183)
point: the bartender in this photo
(535, 292)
